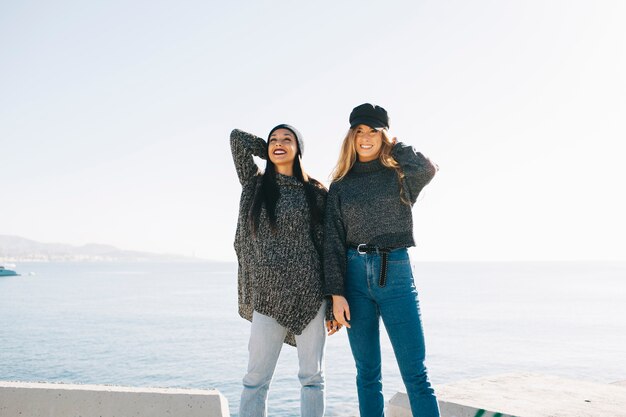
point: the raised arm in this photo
(418, 170)
(244, 146)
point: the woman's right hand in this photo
(341, 310)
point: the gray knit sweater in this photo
(366, 207)
(280, 273)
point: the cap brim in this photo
(368, 121)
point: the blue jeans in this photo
(266, 341)
(396, 302)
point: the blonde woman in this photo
(368, 228)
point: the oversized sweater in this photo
(280, 272)
(366, 207)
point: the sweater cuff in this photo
(403, 153)
(334, 290)
(329, 308)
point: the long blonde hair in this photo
(347, 158)
(347, 155)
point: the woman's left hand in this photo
(333, 326)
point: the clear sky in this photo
(115, 116)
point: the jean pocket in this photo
(400, 273)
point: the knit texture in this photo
(280, 272)
(366, 207)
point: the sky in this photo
(115, 117)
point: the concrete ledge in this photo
(66, 400)
(522, 395)
(399, 406)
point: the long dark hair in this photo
(267, 193)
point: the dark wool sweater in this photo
(280, 273)
(366, 207)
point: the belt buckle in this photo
(358, 249)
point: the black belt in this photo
(383, 252)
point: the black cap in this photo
(370, 115)
(295, 131)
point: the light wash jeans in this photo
(396, 302)
(266, 341)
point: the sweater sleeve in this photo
(334, 245)
(318, 235)
(418, 170)
(318, 230)
(243, 146)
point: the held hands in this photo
(341, 310)
(340, 305)
(333, 326)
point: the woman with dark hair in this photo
(279, 246)
(369, 226)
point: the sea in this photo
(176, 325)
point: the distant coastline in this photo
(15, 249)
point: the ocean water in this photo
(176, 325)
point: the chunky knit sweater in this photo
(366, 207)
(280, 272)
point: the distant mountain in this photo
(19, 249)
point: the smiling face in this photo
(282, 147)
(367, 142)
